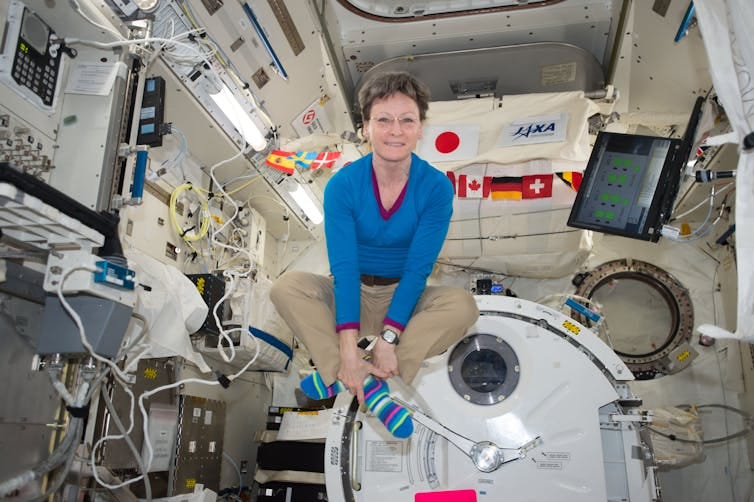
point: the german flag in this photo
(507, 187)
(571, 178)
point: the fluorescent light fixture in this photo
(305, 202)
(232, 109)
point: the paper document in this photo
(92, 78)
(304, 425)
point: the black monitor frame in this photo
(639, 219)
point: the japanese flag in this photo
(441, 143)
(473, 187)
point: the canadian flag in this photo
(442, 143)
(536, 186)
(473, 187)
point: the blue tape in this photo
(140, 171)
(263, 37)
(271, 340)
(589, 314)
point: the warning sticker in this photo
(558, 73)
(384, 456)
(549, 465)
(313, 120)
(557, 455)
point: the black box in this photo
(212, 289)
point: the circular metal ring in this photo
(664, 292)
(483, 369)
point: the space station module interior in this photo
(163, 162)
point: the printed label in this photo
(384, 456)
(557, 455)
(549, 466)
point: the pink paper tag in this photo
(447, 496)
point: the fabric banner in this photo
(443, 143)
(534, 130)
(568, 112)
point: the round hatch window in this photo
(648, 311)
(483, 369)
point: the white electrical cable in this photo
(145, 417)
(129, 442)
(79, 324)
(108, 437)
(238, 471)
(121, 377)
(166, 48)
(62, 453)
(62, 390)
(77, 7)
(225, 334)
(712, 194)
(703, 229)
(230, 274)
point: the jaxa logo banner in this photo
(533, 130)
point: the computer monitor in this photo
(631, 181)
(624, 185)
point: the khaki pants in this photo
(307, 304)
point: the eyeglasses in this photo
(405, 122)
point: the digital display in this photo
(28, 67)
(626, 184)
(35, 32)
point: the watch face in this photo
(389, 336)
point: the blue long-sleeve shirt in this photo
(404, 242)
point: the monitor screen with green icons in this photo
(629, 185)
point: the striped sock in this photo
(315, 388)
(396, 418)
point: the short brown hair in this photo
(387, 84)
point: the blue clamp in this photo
(114, 275)
(140, 171)
(588, 313)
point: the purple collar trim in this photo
(383, 212)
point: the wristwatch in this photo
(390, 336)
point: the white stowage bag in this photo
(265, 324)
(172, 307)
(679, 423)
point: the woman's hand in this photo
(384, 358)
(353, 368)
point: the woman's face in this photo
(394, 127)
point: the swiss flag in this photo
(474, 187)
(536, 186)
(442, 143)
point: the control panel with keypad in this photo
(31, 62)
